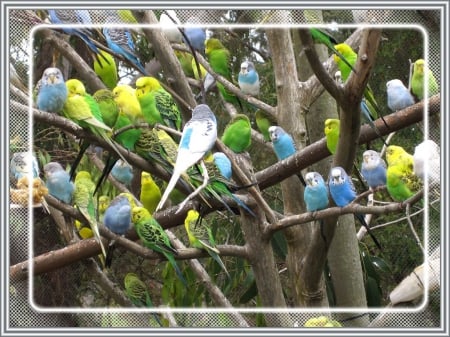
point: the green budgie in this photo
(157, 104)
(86, 203)
(418, 80)
(200, 236)
(237, 134)
(138, 293)
(154, 237)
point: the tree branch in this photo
(318, 150)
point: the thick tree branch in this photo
(318, 150)
(322, 75)
(335, 212)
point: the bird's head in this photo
(52, 76)
(344, 49)
(392, 153)
(419, 66)
(213, 44)
(275, 133)
(313, 179)
(103, 203)
(75, 87)
(331, 124)
(138, 213)
(337, 175)
(395, 83)
(82, 175)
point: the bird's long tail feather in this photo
(363, 222)
(174, 264)
(170, 186)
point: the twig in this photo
(411, 226)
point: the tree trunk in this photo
(291, 118)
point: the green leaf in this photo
(373, 292)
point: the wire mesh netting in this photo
(80, 285)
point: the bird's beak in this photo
(51, 78)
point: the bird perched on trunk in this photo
(237, 134)
(316, 192)
(248, 79)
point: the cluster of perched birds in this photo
(129, 116)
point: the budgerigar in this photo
(108, 107)
(125, 97)
(223, 163)
(24, 164)
(105, 67)
(248, 79)
(138, 293)
(199, 136)
(322, 37)
(81, 108)
(418, 80)
(201, 237)
(316, 192)
(122, 172)
(367, 117)
(427, 161)
(343, 192)
(150, 194)
(373, 169)
(157, 104)
(86, 203)
(331, 131)
(283, 145)
(58, 182)
(263, 121)
(154, 237)
(398, 96)
(103, 204)
(117, 218)
(74, 17)
(237, 134)
(168, 22)
(52, 91)
(401, 182)
(119, 40)
(219, 58)
(351, 57)
(195, 34)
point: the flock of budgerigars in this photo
(190, 158)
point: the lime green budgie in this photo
(125, 97)
(332, 134)
(263, 122)
(86, 204)
(200, 236)
(138, 293)
(150, 193)
(418, 80)
(105, 67)
(350, 55)
(219, 58)
(126, 16)
(154, 237)
(164, 110)
(322, 37)
(237, 133)
(401, 182)
(108, 107)
(81, 108)
(185, 60)
(103, 203)
(203, 71)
